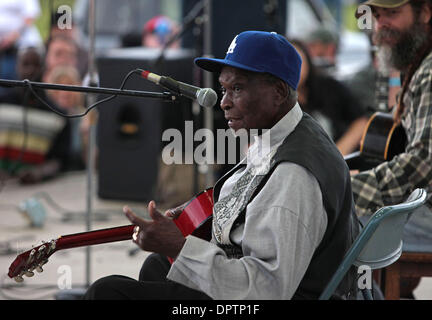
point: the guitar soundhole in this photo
(397, 143)
(203, 231)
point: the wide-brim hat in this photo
(382, 4)
(259, 51)
(385, 3)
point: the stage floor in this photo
(66, 268)
(65, 201)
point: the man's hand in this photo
(159, 235)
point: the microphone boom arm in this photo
(166, 96)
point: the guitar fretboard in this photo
(95, 237)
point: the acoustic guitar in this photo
(382, 140)
(195, 219)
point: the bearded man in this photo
(403, 33)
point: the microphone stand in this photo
(93, 82)
(188, 21)
(167, 96)
(208, 82)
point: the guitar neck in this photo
(95, 237)
(194, 219)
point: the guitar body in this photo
(381, 141)
(195, 219)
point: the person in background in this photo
(403, 34)
(61, 50)
(17, 31)
(157, 32)
(323, 46)
(35, 144)
(331, 103)
(72, 103)
(71, 33)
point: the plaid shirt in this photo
(391, 182)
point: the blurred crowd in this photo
(33, 151)
(36, 143)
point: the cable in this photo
(29, 85)
(6, 247)
(3, 180)
(68, 215)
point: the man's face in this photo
(390, 23)
(399, 33)
(61, 53)
(248, 101)
(29, 66)
(324, 51)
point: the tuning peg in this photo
(51, 246)
(31, 256)
(19, 279)
(39, 267)
(29, 274)
(40, 251)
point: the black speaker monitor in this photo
(129, 133)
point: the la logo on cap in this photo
(232, 45)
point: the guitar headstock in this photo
(33, 259)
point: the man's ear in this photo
(426, 13)
(282, 92)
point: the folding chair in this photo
(379, 244)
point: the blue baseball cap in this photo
(259, 51)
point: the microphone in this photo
(206, 97)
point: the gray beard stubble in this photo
(403, 53)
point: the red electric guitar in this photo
(195, 219)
